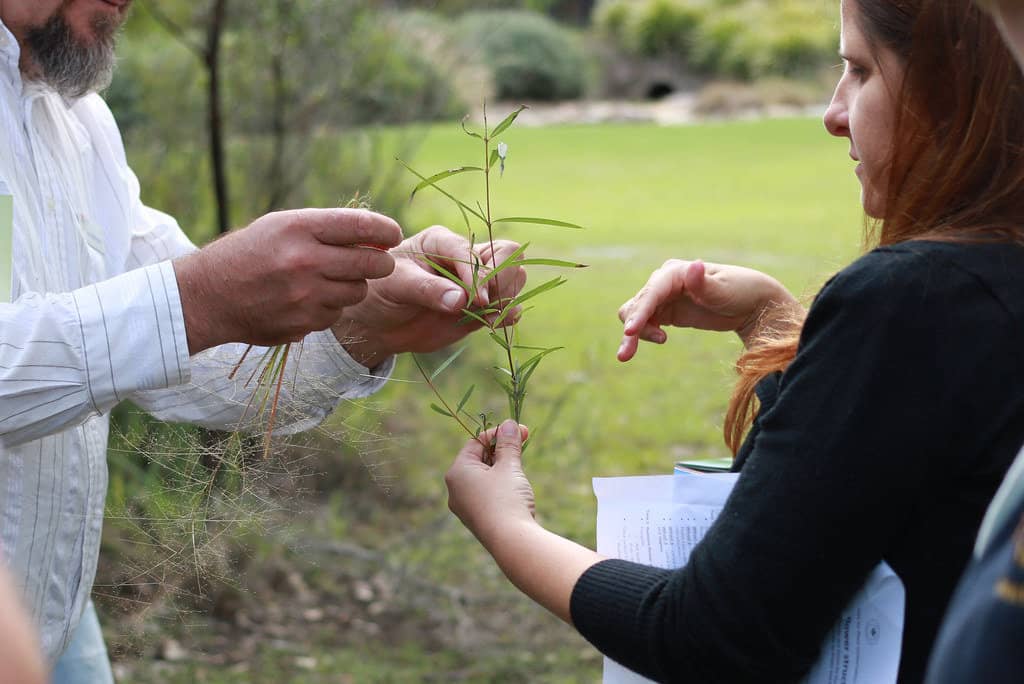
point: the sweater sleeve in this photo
(834, 472)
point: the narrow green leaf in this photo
(449, 361)
(472, 315)
(465, 398)
(506, 122)
(497, 338)
(510, 261)
(551, 262)
(443, 412)
(540, 289)
(538, 221)
(494, 158)
(465, 217)
(530, 366)
(469, 132)
(460, 203)
(438, 177)
(446, 273)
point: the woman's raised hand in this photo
(693, 294)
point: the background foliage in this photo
(738, 38)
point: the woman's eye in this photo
(858, 72)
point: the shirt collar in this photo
(10, 54)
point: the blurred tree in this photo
(282, 82)
(214, 17)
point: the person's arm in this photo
(412, 309)
(841, 461)
(694, 294)
(543, 565)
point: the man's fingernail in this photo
(451, 299)
(629, 322)
(508, 428)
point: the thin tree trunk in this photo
(215, 121)
(279, 131)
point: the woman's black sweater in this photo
(884, 440)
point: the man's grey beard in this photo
(69, 65)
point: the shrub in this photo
(530, 56)
(743, 39)
(666, 27)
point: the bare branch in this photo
(172, 27)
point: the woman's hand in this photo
(496, 503)
(486, 497)
(692, 294)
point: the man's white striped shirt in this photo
(96, 319)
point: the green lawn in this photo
(775, 195)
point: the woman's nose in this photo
(837, 118)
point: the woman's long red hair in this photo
(957, 164)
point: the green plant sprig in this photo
(513, 376)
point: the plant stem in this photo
(440, 397)
(514, 404)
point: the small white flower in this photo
(502, 153)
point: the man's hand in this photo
(417, 310)
(692, 294)
(286, 275)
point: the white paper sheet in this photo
(659, 520)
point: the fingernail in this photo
(508, 428)
(451, 299)
(629, 323)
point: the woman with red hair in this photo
(874, 427)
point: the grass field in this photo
(776, 195)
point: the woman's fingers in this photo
(508, 447)
(627, 348)
(506, 441)
(664, 285)
(695, 281)
(653, 333)
(473, 452)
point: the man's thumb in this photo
(427, 291)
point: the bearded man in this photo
(110, 301)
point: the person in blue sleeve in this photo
(983, 633)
